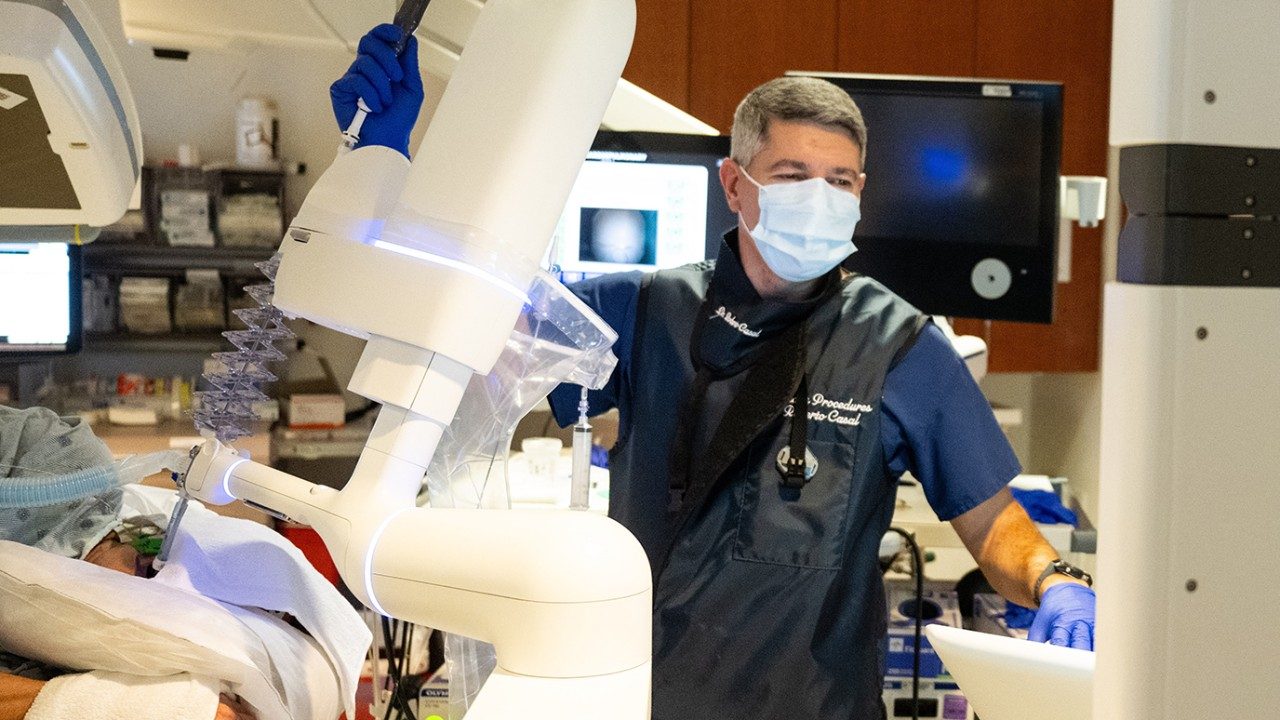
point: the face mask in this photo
(806, 228)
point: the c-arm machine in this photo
(429, 261)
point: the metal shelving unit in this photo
(133, 258)
(207, 342)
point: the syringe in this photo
(407, 18)
(580, 483)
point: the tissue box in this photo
(316, 411)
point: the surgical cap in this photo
(57, 487)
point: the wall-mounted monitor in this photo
(644, 201)
(960, 210)
(39, 299)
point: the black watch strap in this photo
(1061, 567)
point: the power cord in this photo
(917, 569)
(397, 667)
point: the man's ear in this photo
(729, 179)
(860, 184)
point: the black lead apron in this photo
(768, 598)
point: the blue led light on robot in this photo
(368, 560)
(494, 280)
(226, 476)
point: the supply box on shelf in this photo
(226, 206)
(313, 403)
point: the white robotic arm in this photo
(430, 263)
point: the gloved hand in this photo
(1066, 616)
(391, 87)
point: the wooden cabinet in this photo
(739, 44)
(907, 37)
(659, 59)
(704, 55)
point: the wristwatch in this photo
(1061, 567)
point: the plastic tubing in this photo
(41, 490)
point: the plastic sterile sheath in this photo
(558, 339)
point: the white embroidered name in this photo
(723, 313)
(822, 409)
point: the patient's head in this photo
(55, 479)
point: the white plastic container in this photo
(256, 126)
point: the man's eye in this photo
(841, 183)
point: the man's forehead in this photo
(810, 144)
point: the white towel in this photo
(116, 696)
(243, 563)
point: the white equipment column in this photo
(1189, 527)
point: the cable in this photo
(917, 569)
(391, 673)
(397, 667)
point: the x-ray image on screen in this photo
(621, 236)
(633, 216)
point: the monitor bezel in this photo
(643, 141)
(937, 276)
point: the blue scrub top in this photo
(936, 422)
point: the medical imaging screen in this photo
(621, 236)
(35, 297)
(634, 216)
(952, 168)
(643, 201)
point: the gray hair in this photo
(803, 99)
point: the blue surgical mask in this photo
(805, 228)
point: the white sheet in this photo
(83, 617)
(249, 565)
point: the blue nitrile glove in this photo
(1045, 507)
(1066, 616)
(599, 456)
(1017, 617)
(391, 88)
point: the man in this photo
(768, 404)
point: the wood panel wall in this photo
(704, 55)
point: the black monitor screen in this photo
(39, 298)
(644, 201)
(973, 177)
(960, 209)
